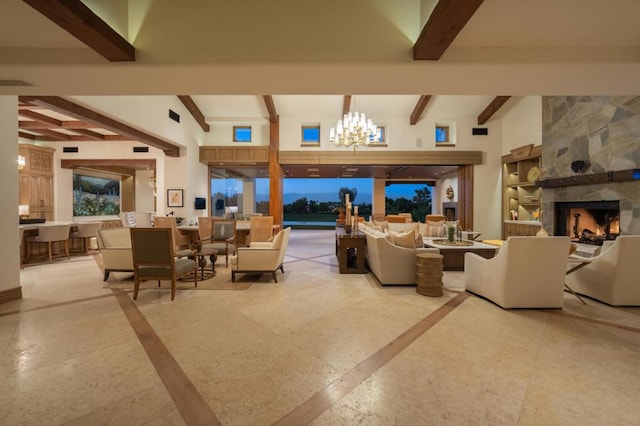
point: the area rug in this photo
(221, 281)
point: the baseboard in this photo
(11, 294)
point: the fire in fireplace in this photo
(590, 222)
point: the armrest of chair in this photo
(260, 245)
(257, 259)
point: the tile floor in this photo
(316, 348)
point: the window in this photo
(382, 137)
(242, 133)
(445, 134)
(311, 135)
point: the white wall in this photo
(522, 124)
(9, 253)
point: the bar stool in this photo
(50, 234)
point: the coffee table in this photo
(200, 257)
(453, 255)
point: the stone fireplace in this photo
(604, 133)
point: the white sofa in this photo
(391, 264)
(115, 249)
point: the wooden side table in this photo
(350, 252)
(429, 274)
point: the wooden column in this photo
(465, 196)
(275, 173)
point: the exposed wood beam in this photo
(492, 108)
(123, 163)
(445, 22)
(419, 109)
(195, 111)
(90, 134)
(271, 108)
(55, 135)
(346, 104)
(41, 118)
(37, 124)
(86, 26)
(27, 135)
(79, 112)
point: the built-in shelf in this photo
(521, 193)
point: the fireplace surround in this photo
(589, 222)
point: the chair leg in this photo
(173, 287)
(106, 274)
(282, 268)
(233, 276)
(50, 253)
(136, 286)
(273, 274)
(66, 248)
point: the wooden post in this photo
(275, 174)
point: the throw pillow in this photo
(436, 229)
(419, 240)
(405, 239)
(382, 223)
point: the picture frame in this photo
(175, 198)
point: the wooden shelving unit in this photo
(36, 180)
(521, 194)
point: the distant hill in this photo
(317, 196)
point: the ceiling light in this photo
(354, 130)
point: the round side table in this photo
(429, 274)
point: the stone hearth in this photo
(603, 131)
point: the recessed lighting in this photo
(346, 175)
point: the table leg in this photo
(573, 269)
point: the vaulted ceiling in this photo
(221, 57)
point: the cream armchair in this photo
(527, 272)
(262, 257)
(612, 276)
(115, 249)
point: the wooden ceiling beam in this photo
(492, 108)
(271, 108)
(346, 104)
(419, 109)
(445, 22)
(190, 104)
(53, 134)
(27, 135)
(69, 125)
(41, 118)
(79, 112)
(89, 134)
(123, 163)
(80, 21)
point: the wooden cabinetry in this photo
(521, 195)
(36, 180)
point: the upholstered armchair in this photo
(527, 272)
(612, 276)
(115, 250)
(154, 258)
(262, 257)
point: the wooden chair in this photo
(50, 234)
(154, 258)
(180, 240)
(205, 229)
(86, 231)
(260, 228)
(222, 236)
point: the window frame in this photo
(235, 134)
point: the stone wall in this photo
(601, 130)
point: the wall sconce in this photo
(23, 210)
(22, 162)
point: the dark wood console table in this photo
(350, 251)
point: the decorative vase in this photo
(451, 233)
(341, 215)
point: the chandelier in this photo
(354, 130)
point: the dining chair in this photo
(154, 259)
(50, 234)
(180, 240)
(222, 237)
(260, 228)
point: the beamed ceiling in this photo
(425, 55)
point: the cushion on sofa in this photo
(403, 227)
(405, 239)
(435, 229)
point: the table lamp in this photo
(23, 210)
